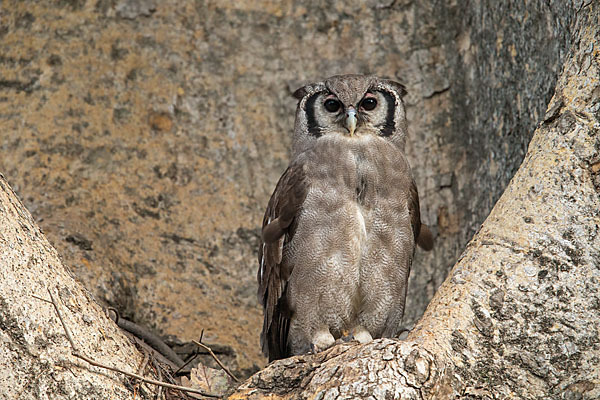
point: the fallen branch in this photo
(154, 341)
(90, 361)
(214, 356)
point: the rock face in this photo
(146, 137)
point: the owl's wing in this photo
(278, 229)
(423, 236)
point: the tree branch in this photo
(90, 361)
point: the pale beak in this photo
(351, 120)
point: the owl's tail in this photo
(425, 239)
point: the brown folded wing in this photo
(273, 274)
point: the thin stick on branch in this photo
(143, 379)
(143, 364)
(41, 298)
(76, 353)
(193, 357)
(205, 347)
(159, 377)
(62, 321)
(186, 363)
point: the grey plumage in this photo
(340, 229)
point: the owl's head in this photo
(352, 106)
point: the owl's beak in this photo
(351, 120)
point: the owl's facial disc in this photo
(357, 115)
(351, 119)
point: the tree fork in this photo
(518, 315)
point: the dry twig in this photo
(205, 347)
(41, 298)
(196, 353)
(144, 364)
(77, 354)
(159, 377)
(186, 363)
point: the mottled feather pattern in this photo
(289, 195)
(341, 227)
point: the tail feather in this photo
(425, 239)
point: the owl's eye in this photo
(369, 103)
(332, 105)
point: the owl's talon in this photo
(322, 341)
(362, 335)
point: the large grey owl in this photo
(340, 229)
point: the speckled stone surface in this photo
(146, 137)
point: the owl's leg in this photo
(361, 334)
(321, 340)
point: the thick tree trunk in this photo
(35, 356)
(519, 315)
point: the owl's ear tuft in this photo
(400, 88)
(300, 93)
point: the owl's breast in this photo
(352, 228)
(380, 173)
(367, 170)
(361, 187)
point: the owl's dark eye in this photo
(369, 103)
(332, 105)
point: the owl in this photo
(340, 230)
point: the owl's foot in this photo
(321, 341)
(346, 336)
(361, 334)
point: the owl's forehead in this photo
(349, 89)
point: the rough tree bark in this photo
(519, 315)
(35, 356)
